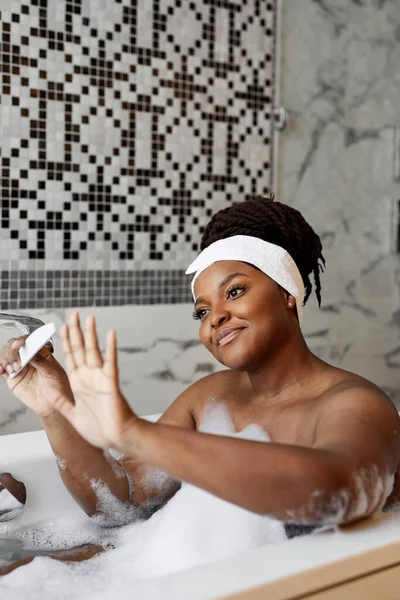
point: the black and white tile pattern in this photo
(124, 126)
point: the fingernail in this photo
(10, 369)
(16, 366)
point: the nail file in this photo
(33, 344)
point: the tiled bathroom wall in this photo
(123, 126)
(339, 82)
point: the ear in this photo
(284, 294)
(290, 301)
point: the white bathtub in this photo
(29, 458)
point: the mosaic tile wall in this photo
(124, 126)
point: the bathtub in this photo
(286, 570)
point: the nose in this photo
(218, 317)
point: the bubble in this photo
(62, 463)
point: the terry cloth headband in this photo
(273, 260)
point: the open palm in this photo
(99, 412)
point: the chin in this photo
(236, 361)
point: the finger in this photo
(7, 355)
(4, 372)
(76, 339)
(3, 357)
(49, 346)
(66, 346)
(110, 362)
(46, 353)
(17, 343)
(13, 347)
(92, 350)
(11, 352)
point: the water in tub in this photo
(193, 528)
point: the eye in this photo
(235, 290)
(199, 314)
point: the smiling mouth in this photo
(228, 338)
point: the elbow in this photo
(108, 520)
(350, 494)
(99, 517)
(329, 501)
(104, 520)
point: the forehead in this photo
(215, 273)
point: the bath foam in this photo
(111, 511)
(10, 507)
(62, 463)
(370, 480)
(155, 479)
(62, 534)
(193, 528)
(8, 502)
(118, 469)
(370, 490)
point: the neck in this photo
(286, 373)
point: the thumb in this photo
(44, 361)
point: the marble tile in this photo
(340, 84)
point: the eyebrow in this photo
(223, 283)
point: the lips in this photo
(226, 335)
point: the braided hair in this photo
(276, 223)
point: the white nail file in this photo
(33, 344)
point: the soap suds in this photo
(111, 512)
(10, 507)
(118, 469)
(193, 528)
(367, 494)
(62, 463)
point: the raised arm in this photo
(345, 476)
(82, 466)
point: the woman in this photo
(335, 436)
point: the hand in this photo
(98, 410)
(40, 383)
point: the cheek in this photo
(262, 315)
(254, 310)
(203, 335)
(205, 338)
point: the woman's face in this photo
(243, 314)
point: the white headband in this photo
(273, 260)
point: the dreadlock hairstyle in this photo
(276, 223)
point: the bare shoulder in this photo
(186, 410)
(352, 392)
(355, 411)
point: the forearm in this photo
(287, 482)
(80, 464)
